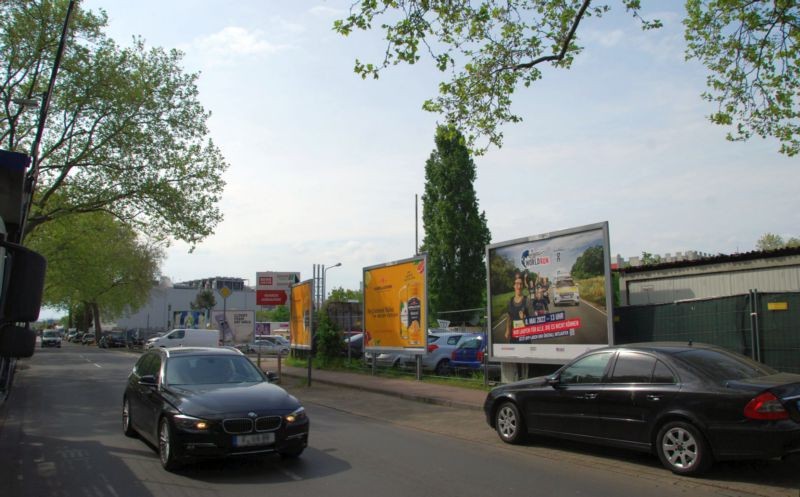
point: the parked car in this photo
(207, 402)
(386, 359)
(51, 338)
(185, 337)
(112, 340)
(355, 344)
(688, 403)
(471, 356)
(268, 345)
(440, 347)
(88, 338)
(70, 336)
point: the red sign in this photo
(271, 297)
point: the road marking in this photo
(99, 366)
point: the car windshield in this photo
(563, 283)
(50, 334)
(207, 370)
(723, 367)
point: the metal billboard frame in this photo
(543, 353)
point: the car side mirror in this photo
(272, 377)
(553, 381)
(148, 380)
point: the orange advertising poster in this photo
(395, 304)
(300, 310)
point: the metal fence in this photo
(764, 326)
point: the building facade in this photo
(709, 277)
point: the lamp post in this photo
(324, 276)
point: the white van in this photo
(185, 338)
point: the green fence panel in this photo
(724, 321)
(779, 330)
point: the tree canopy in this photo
(125, 134)
(589, 264)
(771, 241)
(455, 231)
(95, 262)
(340, 294)
(204, 300)
(492, 47)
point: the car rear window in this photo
(723, 367)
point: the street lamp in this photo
(324, 276)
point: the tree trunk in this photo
(96, 314)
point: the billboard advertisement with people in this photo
(549, 295)
(396, 305)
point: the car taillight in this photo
(432, 347)
(480, 356)
(453, 355)
(765, 407)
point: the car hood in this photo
(783, 385)
(210, 400)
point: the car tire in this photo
(509, 423)
(166, 446)
(442, 367)
(127, 422)
(291, 453)
(683, 449)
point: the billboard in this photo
(550, 295)
(236, 327)
(301, 308)
(272, 288)
(396, 305)
(189, 319)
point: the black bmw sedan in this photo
(195, 403)
(691, 404)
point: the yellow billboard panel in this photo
(300, 311)
(396, 305)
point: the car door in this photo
(136, 391)
(569, 404)
(637, 389)
(151, 401)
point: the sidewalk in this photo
(409, 389)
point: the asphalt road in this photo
(61, 436)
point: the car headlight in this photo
(298, 414)
(190, 424)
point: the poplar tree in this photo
(455, 230)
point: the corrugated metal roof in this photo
(717, 259)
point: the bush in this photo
(329, 342)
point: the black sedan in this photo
(195, 403)
(688, 403)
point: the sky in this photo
(325, 166)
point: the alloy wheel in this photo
(680, 448)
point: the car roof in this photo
(198, 351)
(666, 347)
(451, 333)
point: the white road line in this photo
(99, 366)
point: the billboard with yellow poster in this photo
(301, 308)
(396, 305)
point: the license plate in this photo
(254, 439)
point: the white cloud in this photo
(232, 42)
(325, 11)
(605, 38)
